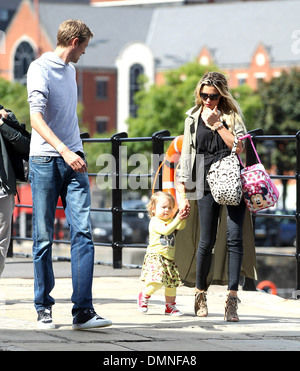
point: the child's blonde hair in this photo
(153, 200)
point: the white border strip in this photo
(134, 2)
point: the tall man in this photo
(58, 168)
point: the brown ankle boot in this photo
(231, 306)
(201, 304)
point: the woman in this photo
(210, 130)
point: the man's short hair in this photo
(71, 29)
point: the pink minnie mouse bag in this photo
(259, 191)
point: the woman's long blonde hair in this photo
(228, 106)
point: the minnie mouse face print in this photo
(258, 200)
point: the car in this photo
(275, 231)
(135, 223)
(287, 229)
(102, 228)
(138, 220)
(266, 231)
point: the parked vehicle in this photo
(102, 228)
(287, 230)
(266, 231)
(275, 231)
(137, 220)
(134, 223)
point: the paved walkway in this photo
(267, 322)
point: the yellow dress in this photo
(159, 265)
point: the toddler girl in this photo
(159, 268)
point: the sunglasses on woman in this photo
(210, 96)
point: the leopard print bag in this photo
(224, 179)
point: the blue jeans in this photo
(209, 216)
(50, 178)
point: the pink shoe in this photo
(172, 310)
(142, 302)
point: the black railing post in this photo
(296, 293)
(250, 155)
(117, 244)
(158, 150)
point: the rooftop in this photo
(176, 34)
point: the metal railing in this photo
(296, 216)
(116, 209)
(158, 139)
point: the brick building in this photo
(247, 40)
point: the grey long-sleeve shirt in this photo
(52, 91)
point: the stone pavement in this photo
(267, 322)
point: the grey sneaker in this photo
(45, 319)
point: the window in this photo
(101, 87)
(23, 57)
(101, 124)
(135, 71)
(242, 81)
(242, 78)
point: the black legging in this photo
(209, 215)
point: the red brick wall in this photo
(93, 106)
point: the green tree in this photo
(163, 107)
(13, 96)
(250, 103)
(280, 115)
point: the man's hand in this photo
(73, 160)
